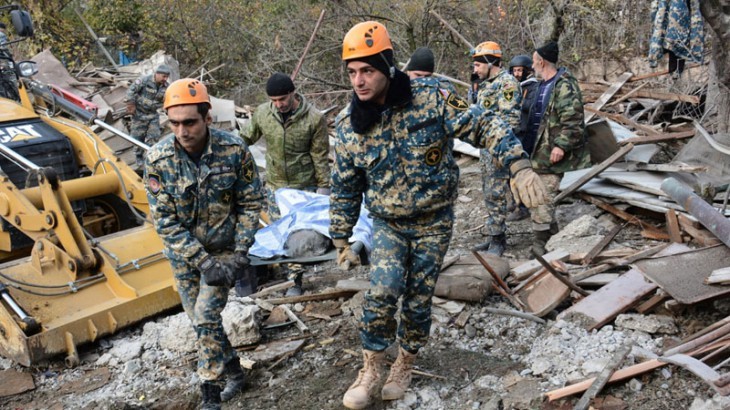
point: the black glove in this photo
(246, 280)
(241, 261)
(217, 273)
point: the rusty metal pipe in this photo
(80, 188)
(697, 207)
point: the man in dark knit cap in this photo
(297, 145)
(421, 63)
(557, 127)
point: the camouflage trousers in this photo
(405, 263)
(292, 271)
(498, 198)
(203, 304)
(145, 128)
(544, 215)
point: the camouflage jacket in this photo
(211, 207)
(677, 28)
(297, 150)
(502, 95)
(146, 95)
(404, 164)
(562, 125)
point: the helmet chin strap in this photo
(391, 68)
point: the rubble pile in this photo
(624, 291)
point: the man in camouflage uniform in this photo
(499, 92)
(556, 119)
(144, 99)
(205, 198)
(394, 151)
(297, 145)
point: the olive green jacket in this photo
(296, 151)
(562, 126)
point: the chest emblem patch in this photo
(433, 156)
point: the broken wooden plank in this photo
(606, 254)
(335, 294)
(355, 285)
(602, 244)
(671, 167)
(528, 268)
(543, 293)
(621, 374)
(272, 289)
(659, 95)
(675, 235)
(652, 302)
(632, 219)
(607, 302)
(275, 350)
(612, 263)
(719, 276)
(600, 279)
(300, 325)
(595, 170)
(659, 73)
(559, 276)
(606, 96)
(625, 121)
(653, 139)
(701, 236)
(602, 378)
(626, 96)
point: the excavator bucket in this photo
(79, 258)
(133, 282)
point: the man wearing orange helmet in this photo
(393, 150)
(498, 92)
(205, 197)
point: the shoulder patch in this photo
(457, 102)
(154, 186)
(509, 94)
(248, 169)
(444, 93)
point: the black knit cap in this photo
(421, 60)
(383, 61)
(279, 84)
(549, 51)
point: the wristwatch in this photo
(207, 263)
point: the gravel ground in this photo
(493, 362)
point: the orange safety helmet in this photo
(488, 48)
(364, 40)
(186, 91)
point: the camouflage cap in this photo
(163, 69)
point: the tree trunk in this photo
(714, 12)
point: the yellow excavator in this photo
(79, 259)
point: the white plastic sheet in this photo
(304, 210)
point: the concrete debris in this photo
(241, 323)
(646, 323)
(581, 235)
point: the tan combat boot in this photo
(358, 395)
(400, 376)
